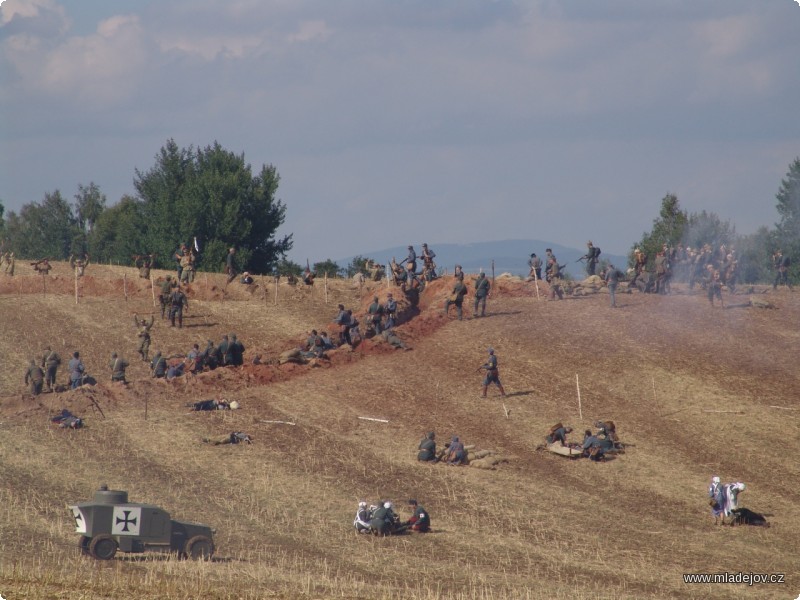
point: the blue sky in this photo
(401, 121)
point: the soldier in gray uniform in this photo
(76, 370)
(492, 374)
(482, 287)
(457, 298)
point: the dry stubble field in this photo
(538, 526)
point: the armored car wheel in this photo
(83, 544)
(103, 547)
(199, 547)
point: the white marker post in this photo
(580, 409)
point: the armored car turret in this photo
(109, 522)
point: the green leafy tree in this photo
(755, 260)
(357, 265)
(117, 234)
(326, 267)
(90, 203)
(46, 229)
(708, 228)
(787, 234)
(668, 228)
(212, 194)
(287, 267)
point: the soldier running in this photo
(144, 334)
(492, 373)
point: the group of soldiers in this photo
(711, 268)
(405, 273)
(229, 352)
(454, 453)
(173, 301)
(595, 446)
(43, 266)
(44, 373)
(482, 287)
(381, 519)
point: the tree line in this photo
(205, 197)
(210, 195)
(754, 252)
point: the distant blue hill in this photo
(510, 256)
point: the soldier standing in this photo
(144, 264)
(781, 264)
(144, 334)
(50, 362)
(35, 376)
(482, 287)
(42, 266)
(554, 279)
(376, 315)
(163, 297)
(429, 267)
(713, 285)
(390, 310)
(457, 298)
(410, 262)
(79, 265)
(177, 301)
(230, 264)
(8, 263)
(118, 366)
(458, 273)
(535, 263)
(178, 256)
(492, 374)
(187, 266)
(76, 370)
(612, 281)
(592, 258)
(549, 256)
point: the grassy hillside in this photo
(692, 389)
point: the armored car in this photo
(109, 523)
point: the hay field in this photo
(692, 389)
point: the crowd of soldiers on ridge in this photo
(707, 267)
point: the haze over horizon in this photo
(395, 123)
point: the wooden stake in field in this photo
(76, 286)
(326, 287)
(152, 290)
(125, 285)
(580, 409)
(655, 401)
(44, 285)
(276, 291)
(536, 281)
(493, 288)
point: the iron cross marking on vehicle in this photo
(126, 520)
